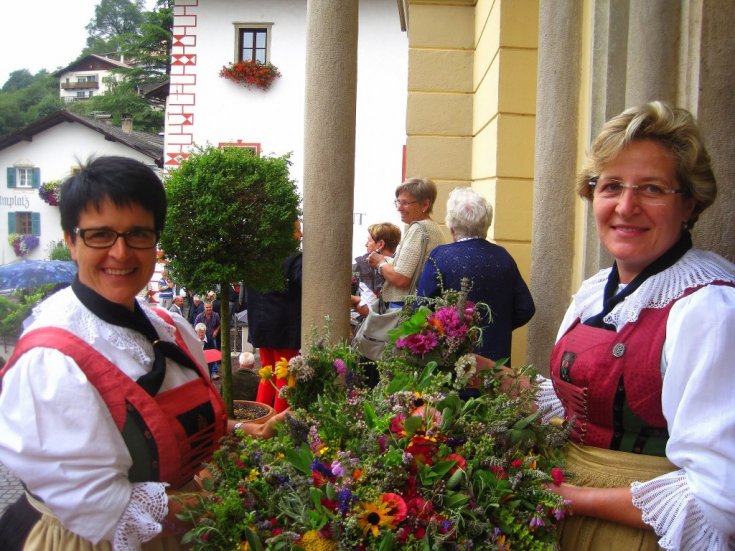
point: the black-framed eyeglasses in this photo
(103, 238)
(613, 189)
(398, 203)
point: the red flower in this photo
(461, 463)
(499, 471)
(517, 463)
(558, 475)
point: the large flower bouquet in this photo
(406, 465)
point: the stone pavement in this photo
(10, 488)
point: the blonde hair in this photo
(672, 127)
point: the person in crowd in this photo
(274, 323)
(212, 322)
(207, 344)
(104, 402)
(490, 269)
(165, 291)
(382, 238)
(643, 360)
(415, 201)
(245, 379)
(197, 307)
(177, 305)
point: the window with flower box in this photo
(24, 177)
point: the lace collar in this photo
(64, 310)
(694, 269)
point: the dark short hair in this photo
(122, 180)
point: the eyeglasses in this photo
(646, 193)
(403, 203)
(100, 238)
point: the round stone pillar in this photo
(329, 164)
(554, 173)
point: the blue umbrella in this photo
(25, 274)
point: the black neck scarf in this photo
(115, 314)
(613, 298)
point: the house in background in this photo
(204, 108)
(48, 149)
(86, 77)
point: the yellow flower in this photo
(373, 516)
(244, 546)
(282, 368)
(313, 541)
(253, 475)
(266, 373)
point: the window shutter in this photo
(11, 176)
(36, 178)
(36, 224)
(11, 223)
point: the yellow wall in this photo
(471, 111)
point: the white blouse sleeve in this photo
(694, 508)
(58, 437)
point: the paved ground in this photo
(10, 488)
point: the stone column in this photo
(653, 51)
(329, 164)
(554, 173)
(715, 111)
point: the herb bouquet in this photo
(406, 465)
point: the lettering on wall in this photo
(357, 218)
(15, 201)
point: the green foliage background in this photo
(230, 218)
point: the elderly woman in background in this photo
(105, 403)
(415, 201)
(491, 270)
(644, 357)
(382, 238)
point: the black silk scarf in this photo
(136, 320)
(612, 298)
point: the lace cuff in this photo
(669, 506)
(547, 401)
(142, 518)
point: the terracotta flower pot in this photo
(252, 412)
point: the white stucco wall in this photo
(72, 76)
(227, 112)
(55, 151)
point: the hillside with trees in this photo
(120, 29)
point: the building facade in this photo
(87, 77)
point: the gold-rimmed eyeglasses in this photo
(104, 238)
(399, 204)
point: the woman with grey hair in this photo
(414, 200)
(492, 271)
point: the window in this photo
(23, 177)
(253, 42)
(24, 223)
(252, 146)
(84, 95)
(88, 78)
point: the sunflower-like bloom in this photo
(374, 515)
(266, 373)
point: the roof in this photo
(92, 59)
(143, 142)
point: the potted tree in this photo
(230, 218)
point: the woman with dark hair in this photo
(105, 402)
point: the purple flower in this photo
(340, 366)
(337, 468)
(419, 344)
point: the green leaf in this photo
(455, 479)
(413, 424)
(523, 423)
(455, 500)
(253, 540)
(301, 459)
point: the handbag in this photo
(371, 337)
